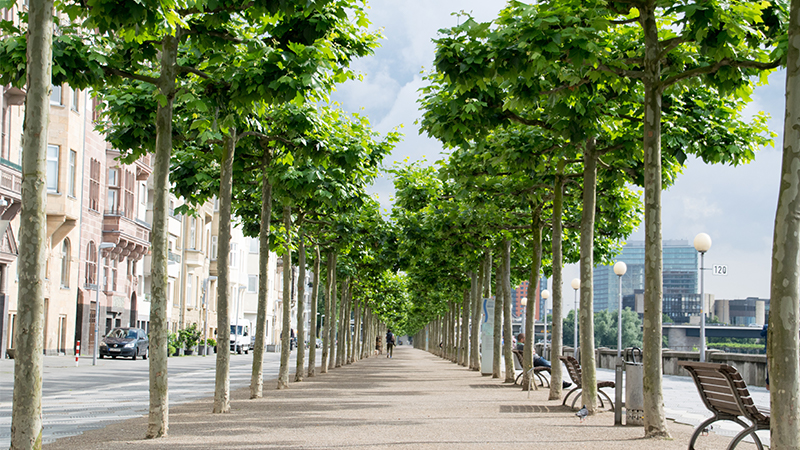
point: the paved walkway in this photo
(414, 400)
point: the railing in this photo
(174, 257)
(8, 163)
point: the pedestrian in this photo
(378, 345)
(538, 361)
(389, 343)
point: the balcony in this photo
(194, 258)
(10, 189)
(132, 237)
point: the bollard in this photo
(634, 391)
(77, 352)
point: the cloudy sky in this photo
(734, 205)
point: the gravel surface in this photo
(412, 401)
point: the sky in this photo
(734, 205)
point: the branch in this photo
(265, 137)
(510, 115)
(608, 149)
(624, 22)
(622, 72)
(707, 70)
(195, 10)
(199, 73)
(627, 170)
(565, 87)
(129, 75)
(669, 45)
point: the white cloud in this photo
(735, 205)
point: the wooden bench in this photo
(725, 394)
(574, 370)
(537, 371)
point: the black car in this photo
(127, 342)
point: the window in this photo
(114, 264)
(52, 168)
(105, 274)
(55, 96)
(143, 194)
(254, 246)
(112, 199)
(65, 257)
(91, 263)
(216, 203)
(94, 185)
(76, 95)
(172, 208)
(192, 233)
(189, 291)
(214, 248)
(128, 190)
(234, 253)
(252, 283)
(73, 158)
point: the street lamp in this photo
(545, 296)
(524, 302)
(702, 243)
(100, 248)
(620, 268)
(576, 284)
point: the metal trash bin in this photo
(634, 389)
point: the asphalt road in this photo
(88, 397)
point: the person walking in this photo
(389, 343)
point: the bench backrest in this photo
(723, 390)
(517, 359)
(573, 368)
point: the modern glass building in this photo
(679, 272)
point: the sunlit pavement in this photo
(75, 399)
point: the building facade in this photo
(679, 274)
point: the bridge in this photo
(686, 337)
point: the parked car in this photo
(127, 342)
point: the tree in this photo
(784, 323)
(26, 416)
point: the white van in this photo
(240, 337)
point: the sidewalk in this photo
(414, 400)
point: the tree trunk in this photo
(498, 322)
(222, 401)
(312, 330)
(257, 375)
(334, 309)
(348, 312)
(342, 335)
(507, 329)
(357, 336)
(475, 350)
(782, 354)
(26, 416)
(465, 313)
(536, 264)
(655, 421)
(558, 258)
(586, 317)
(326, 324)
(301, 304)
(283, 371)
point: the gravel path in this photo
(412, 401)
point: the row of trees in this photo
(230, 97)
(553, 103)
